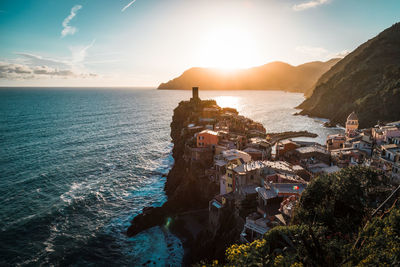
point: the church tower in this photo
(351, 124)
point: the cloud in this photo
(11, 71)
(79, 53)
(76, 61)
(32, 59)
(341, 54)
(128, 5)
(32, 66)
(67, 28)
(320, 53)
(309, 4)
(7, 69)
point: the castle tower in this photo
(351, 124)
(195, 94)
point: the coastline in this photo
(185, 212)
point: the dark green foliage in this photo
(380, 243)
(330, 217)
(339, 201)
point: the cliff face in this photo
(366, 81)
(183, 188)
(272, 76)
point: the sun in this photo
(229, 48)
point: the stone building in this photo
(352, 124)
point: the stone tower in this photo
(352, 124)
(195, 94)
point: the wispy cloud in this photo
(342, 54)
(320, 53)
(128, 5)
(11, 71)
(70, 30)
(37, 60)
(309, 4)
(79, 53)
(32, 66)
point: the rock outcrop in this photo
(366, 81)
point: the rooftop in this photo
(252, 150)
(352, 116)
(390, 146)
(208, 132)
(311, 149)
(234, 153)
(255, 165)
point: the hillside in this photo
(366, 81)
(271, 76)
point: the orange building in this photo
(207, 138)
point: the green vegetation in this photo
(330, 217)
(366, 81)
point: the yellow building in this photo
(351, 124)
(229, 176)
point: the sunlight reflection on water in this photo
(228, 101)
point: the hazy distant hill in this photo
(366, 81)
(271, 76)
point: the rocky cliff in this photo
(366, 81)
(271, 76)
(185, 191)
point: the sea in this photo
(76, 165)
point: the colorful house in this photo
(207, 138)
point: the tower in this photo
(351, 124)
(195, 94)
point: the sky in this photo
(142, 43)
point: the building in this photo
(245, 178)
(207, 138)
(311, 155)
(271, 199)
(389, 161)
(255, 153)
(210, 112)
(231, 156)
(351, 124)
(335, 141)
(348, 156)
(384, 133)
(285, 146)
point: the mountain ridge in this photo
(366, 81)
(276, 75)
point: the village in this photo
(261, 176)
